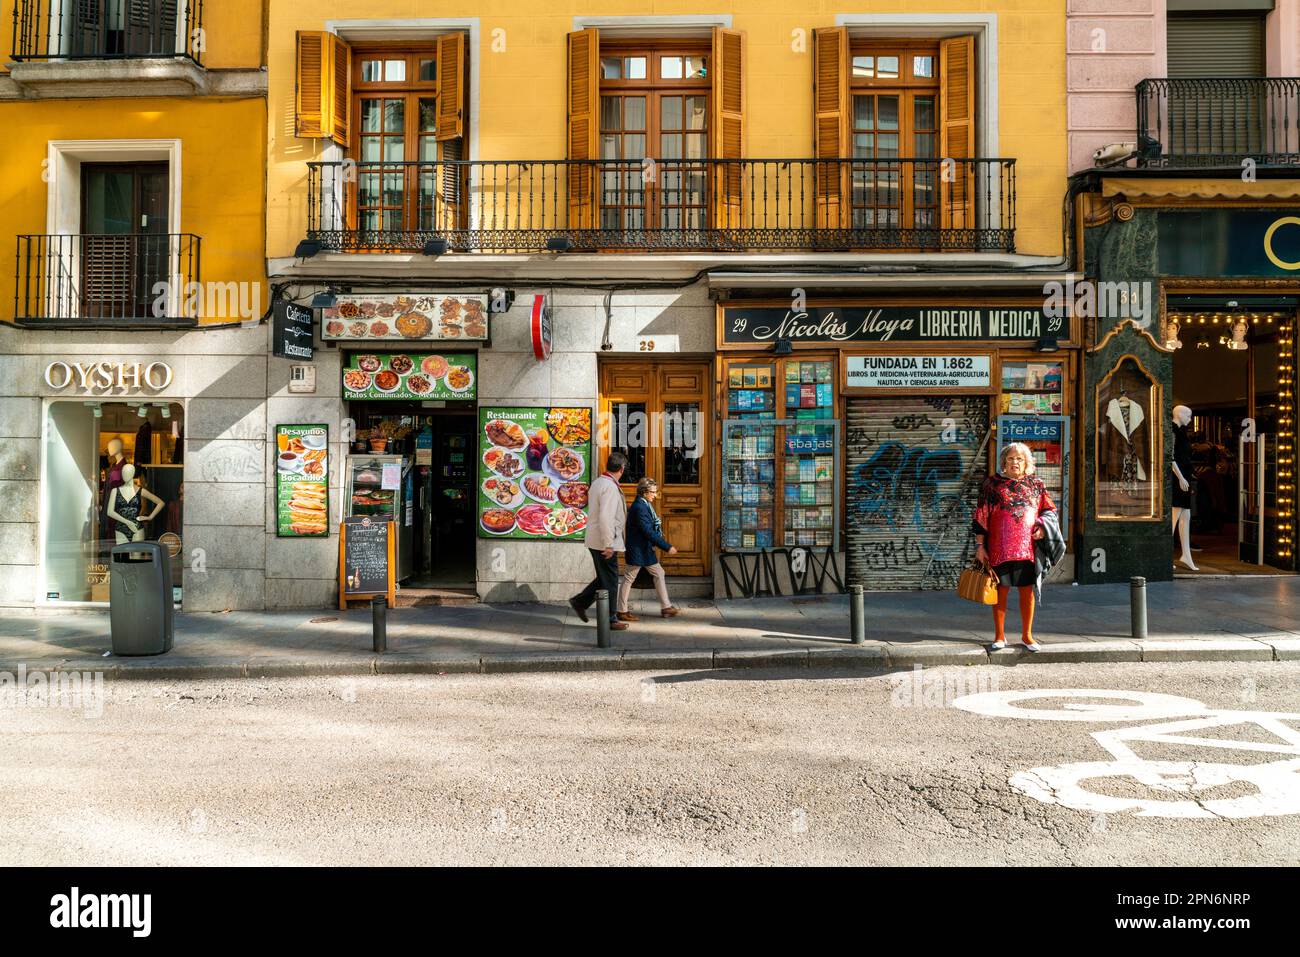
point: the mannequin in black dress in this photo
(1182, 499)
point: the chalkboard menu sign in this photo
(366, 565)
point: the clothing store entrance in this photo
(1235, 371)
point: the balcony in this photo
(502, 206)
(137, 281)
(83, 48)
(1218, 122)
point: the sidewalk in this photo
(1229, 620)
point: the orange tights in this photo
(1026, 612)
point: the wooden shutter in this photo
(727, 126)
(341, 99)
(831, 125)
(451, 87)
(583, 132)
(323, 100)
(957, 130)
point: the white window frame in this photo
(63, 198)
(685, 25)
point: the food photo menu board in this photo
(416, 315)
(534, 473)
(302, 481)
(416, 376)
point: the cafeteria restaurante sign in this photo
(890, 324)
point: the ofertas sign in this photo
(918, 372)
(541, 326)
(108, 376)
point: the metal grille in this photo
(754, 204)
(915, 465)
(104, 279)
(107, 29)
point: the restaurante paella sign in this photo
(750, 325)
(406, 316)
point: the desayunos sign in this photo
(107, 376)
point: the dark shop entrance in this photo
(436, 517)
(1235, 372)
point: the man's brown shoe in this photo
(627, 616)
(618, 625)
(671, 611)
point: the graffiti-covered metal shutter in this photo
(913, 477)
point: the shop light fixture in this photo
(436, 247)
(306, 249)
(142, 411)
(1047, 344)
(559, 244)
(325, 299)
(783, 347)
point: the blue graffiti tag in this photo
(898, 479)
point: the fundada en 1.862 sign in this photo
(911, 323)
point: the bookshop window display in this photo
(780, 453)
(114, 473)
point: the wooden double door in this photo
(657, 412)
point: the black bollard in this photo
(1138, 606)
(602, 618)
(379, 623)
(857, 615)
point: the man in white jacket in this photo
(606, 521)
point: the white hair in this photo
(1023, 450)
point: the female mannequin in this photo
(113, 480)
(124, 507)
(1182, 469)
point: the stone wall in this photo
(678, 321)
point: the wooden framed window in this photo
(678, 102)
(395, 107)
(894, 97)
(654, 103)
(888, 100)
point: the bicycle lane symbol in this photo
(1276, 783)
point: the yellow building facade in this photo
(134, 283)
(733, 216)
(788, 259)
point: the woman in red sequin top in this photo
(1005, 526)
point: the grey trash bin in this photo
(140, 599)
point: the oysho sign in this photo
(107, 376)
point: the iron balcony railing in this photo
(141, 279)
(665, 205)
(108, 29)
(1218, 121)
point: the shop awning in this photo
(1133, 187)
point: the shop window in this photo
(780, 481)
(90, 449)
(1129, 479)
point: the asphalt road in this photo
(740, 767)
